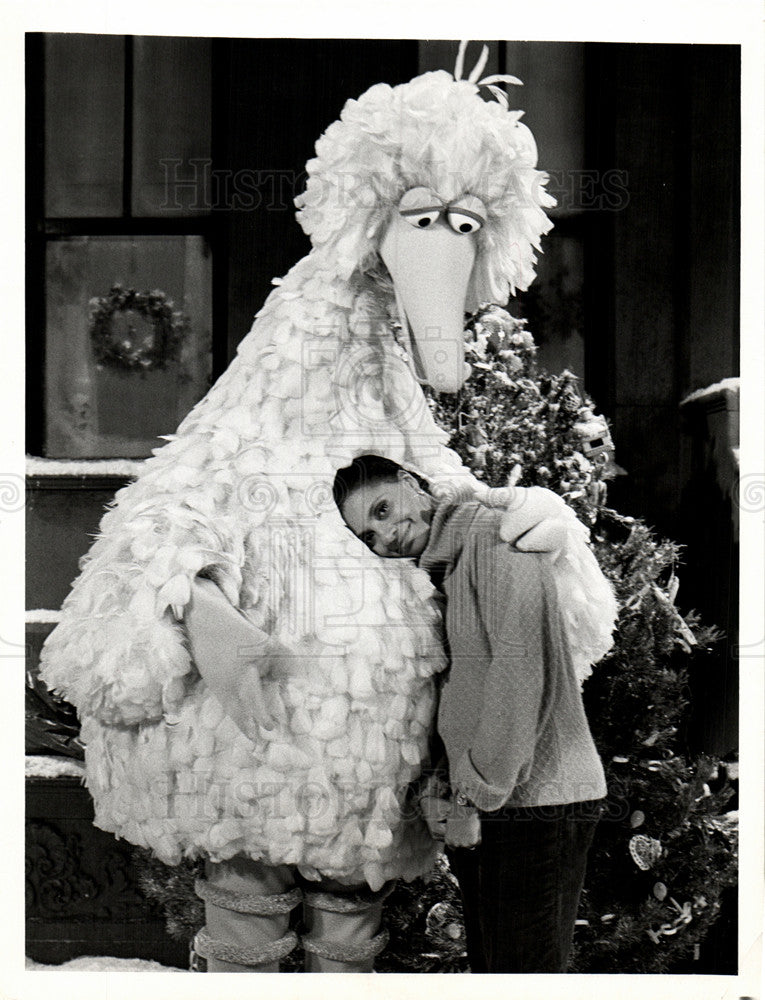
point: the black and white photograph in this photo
(389, 444)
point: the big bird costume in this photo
(423, 201)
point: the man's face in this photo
(392, 517)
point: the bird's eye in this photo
(461, 222)
(421, 219)
(420, 207)
(467, 214)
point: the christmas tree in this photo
(666, 849)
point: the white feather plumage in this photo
(241, 491)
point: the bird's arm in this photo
(229, 652)
(535, 518)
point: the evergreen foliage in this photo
(666, 849)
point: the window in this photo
(121, 240)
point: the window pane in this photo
(552, 99)
(554, 304)
(172, 95)
(84, 98)
(553, 102)
(112, 409)
(60, 526)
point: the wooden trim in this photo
(61, 780)
(127, 131)
(138, 226)
(219, 232)
(598, 231)
(87, 481)
(35, 253)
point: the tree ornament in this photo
(443, 926)
(637, 819)
(594, 434)
(660, 891)
(645, 851)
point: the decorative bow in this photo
(684, 917)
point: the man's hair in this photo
(366, 469)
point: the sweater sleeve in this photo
(509, 592)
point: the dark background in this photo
(637, 293)
(638, 287)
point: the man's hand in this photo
(434, 800)
(450, 823)
(463, 825)
(435, 811)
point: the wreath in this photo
(119, 342)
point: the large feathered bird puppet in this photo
(423, 201)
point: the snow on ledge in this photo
(726, 385)
(37, 616)
(44, 766)
(101, 963)
(126, 468)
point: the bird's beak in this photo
(431, 270)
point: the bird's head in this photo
(442, 186)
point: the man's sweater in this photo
(511, 715)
